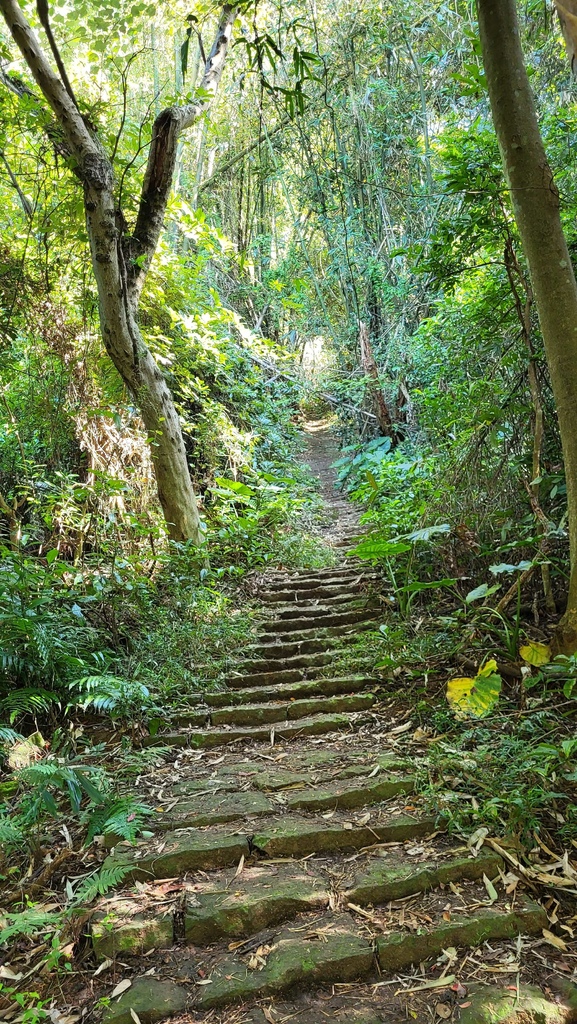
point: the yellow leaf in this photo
(488, 668)
(476, 696)
(536, 654)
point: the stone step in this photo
(288, 600)
(345, 577)
(207, 739)
(199, 809)
(319, 609)
(292, 690)
(277, 647)
(321, 592)
(279, 651)
(263, 670)
(310, 670)
(265, 896)
(259, 714)
(300, 836)
(323, 619)
(174, 854)
(335, 950)
(311, 768)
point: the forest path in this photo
(294, 874)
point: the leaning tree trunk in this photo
(120, 261)
(536, 206)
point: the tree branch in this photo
(140, 248)
(25, 202)
(82, 145)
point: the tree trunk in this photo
(120, 262)
(370, 368)
(536, 206)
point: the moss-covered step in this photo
(119, 926)
(286, 600)
(175, 853)
(258, 899)
(313, 608)
(264, 669)
(299, 690)
(394, 876)
(256, 714)
(251, 679)
(277, 651)
(348, 795)
(266, 895)
(326, 617)
(299, 836)
(149, 1001)
(335, 953)
(400, 949)
(213, 809)
(526, 1004)
(286, 638)
(207, 739)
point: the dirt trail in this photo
(293, 873)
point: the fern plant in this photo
(111, 694)
(44, 781)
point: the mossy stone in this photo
(178, 853)
(298, 837)
(340, 957)
(248, 910)
(401, 949)
(150, 999)
(120, 930)
(498, 1006)
(392, 880)
(214, 809)
(341, 795)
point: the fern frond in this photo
(100, 882)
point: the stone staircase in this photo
(293, 872)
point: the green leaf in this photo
(427, 532)
(417, 586)
(504, 567)
(380, 548)
(484, 590)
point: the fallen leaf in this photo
(102, 967)
(134, 1016)
(9, 975)
(122, 986)
(536, 654)
(554, 940)
(443, 1010)
(492, 892)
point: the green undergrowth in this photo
(508, 765)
